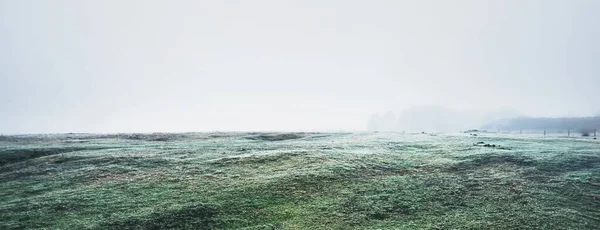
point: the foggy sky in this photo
(145, 66)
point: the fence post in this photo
(569, 133)
(544, 132)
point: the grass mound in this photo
(16, 155)
(492, 160)
(198, 216)
(276, 136)
(148, 137)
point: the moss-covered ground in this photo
(299, 181)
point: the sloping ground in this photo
(299, 181)
(275, 136)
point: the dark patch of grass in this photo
(305, 186)
(198, 216)
(21, 171)
(569, 163)
(16, 155)
(491, 160)
(154, 137)
(48, 206)
(318, 136)
(276, 136)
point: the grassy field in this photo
(299, 181)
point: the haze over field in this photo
(436, 119)
(171, 66)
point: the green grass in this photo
(298, 181)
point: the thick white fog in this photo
(306, 65)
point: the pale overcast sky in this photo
(144, 66)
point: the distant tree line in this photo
(577, 124)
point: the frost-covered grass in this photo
(299, 181)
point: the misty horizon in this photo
(439, 119)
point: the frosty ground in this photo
(299, 181)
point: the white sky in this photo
(144, 66)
